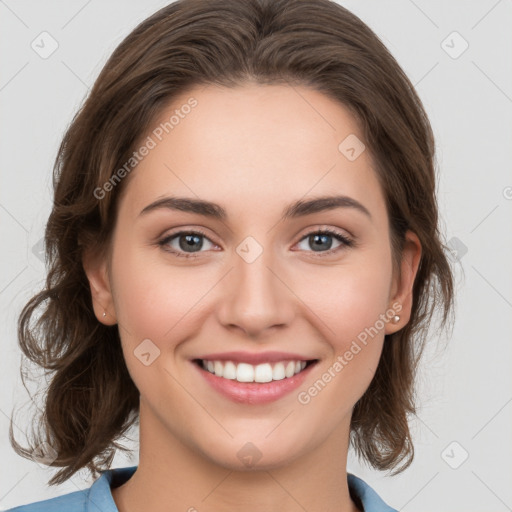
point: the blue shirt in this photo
(98, 497)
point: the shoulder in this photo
(97, 497)
(365, 496)
(71, 502)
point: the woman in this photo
(244, 259)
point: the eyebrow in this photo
(215, 211)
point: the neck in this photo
(171, 476)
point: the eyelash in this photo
(346, 242)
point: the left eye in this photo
(190, 242)
(320, 239)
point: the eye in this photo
(188, 242)
(322, 239)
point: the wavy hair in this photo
(90, 400)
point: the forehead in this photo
(251, 145)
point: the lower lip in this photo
(254, 392)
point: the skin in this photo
(254, 150)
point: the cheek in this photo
(154, 305)
(348, 301)
(154, 299)
(348, 298)
(354, 335)
(363, 299)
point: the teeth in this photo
(263, 373)
(278, 372)
(218, 368)
(244, 372)
(290, 369)
(229, 371)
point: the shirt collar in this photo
(368, 498)
(100, 496)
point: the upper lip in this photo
(255, 358)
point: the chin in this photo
(253, 454)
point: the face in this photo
(260, 280)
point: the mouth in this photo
(267, 380)
(260, 373)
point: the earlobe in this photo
(97, 274)
(402, 296)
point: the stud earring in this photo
(104, 314)
(395, 319)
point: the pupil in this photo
(190, 241)
(317, 239)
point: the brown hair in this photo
(91, 400)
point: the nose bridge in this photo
(256, 297)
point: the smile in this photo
(244, 372)
(254, 384)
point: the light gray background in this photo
(465, 391)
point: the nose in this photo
(256, 297)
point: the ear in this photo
(401, 296)
(96, 269)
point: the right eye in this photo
(185, 240)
